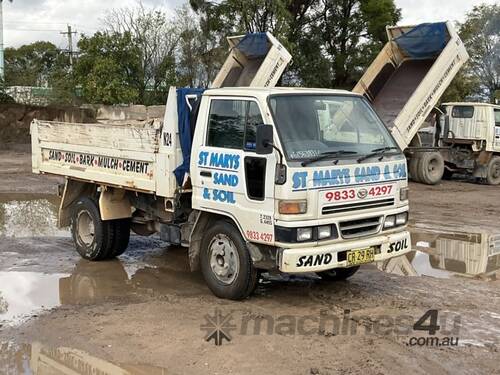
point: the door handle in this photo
(206, 174)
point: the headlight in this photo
(390, 222)
(292, 207)
(403, 194)
(401, 218)
(304, 234)
(397, 220)
(324, 231)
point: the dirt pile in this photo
(15, 119)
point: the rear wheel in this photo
(338, 274)
(413, 167)
(93, 237)
(225, 262)
(430, 168)
(493, 173)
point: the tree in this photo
(31, 64)
(109, 68)
(200, 51)
(154, 34)
(40, 64)
(331, 41)
(481, 35)
(479, 77)
(342, 39)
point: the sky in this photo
(26, 21)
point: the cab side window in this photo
(462, 111)
(232, 124)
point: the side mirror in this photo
(264, 139)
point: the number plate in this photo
(355, 257)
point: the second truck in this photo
(404, 84)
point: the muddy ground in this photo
(145, 313)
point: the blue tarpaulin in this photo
(253, 45)
(185, 135)
(424, 41)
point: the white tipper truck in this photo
(468, 137)
(405, 82)
(249, 178)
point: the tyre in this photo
(413, 167)
(225, 262)
(122, 237)
(338, 274)
(493, 171)
(93, 238)
(430, 168)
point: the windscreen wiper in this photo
(326, 155)
(377, 152)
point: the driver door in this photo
(229, 177)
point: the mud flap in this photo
(114, 204)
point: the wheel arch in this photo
(200, 221)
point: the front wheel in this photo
(225, 262)
(493, 171)
(338, 274)
(430, 168)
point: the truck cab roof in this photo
(266, 91)
(472, 104)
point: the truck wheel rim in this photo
(224, 259)
(85, 227)
(433, 164)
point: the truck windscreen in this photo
(312, 125)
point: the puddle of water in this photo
(36, 359)
(30, 218)
(448, 254)
(24, 294)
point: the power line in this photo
(35, 23)
(12, 29)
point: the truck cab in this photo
(470, 136)
(309, 178)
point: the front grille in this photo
(357, 206)
(361, 227)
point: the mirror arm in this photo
(277, 149)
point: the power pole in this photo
(2, 75)
(2, 63)
(70, 33)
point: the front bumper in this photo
(314, 259)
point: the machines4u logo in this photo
(218, 327)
